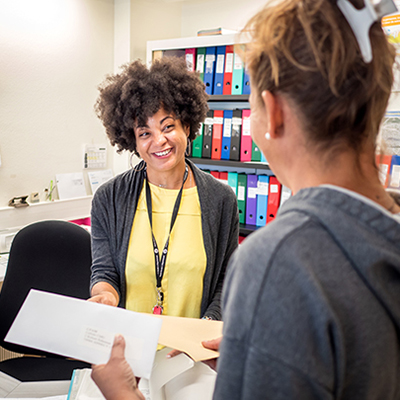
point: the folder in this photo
(228, 70)
(219, 71)
(190, 57)
(255, 152)
(251, 200)
(233, 181)
(246, 82)
(262, 199)
(217, 135)
(246, 142)
(209, 69)
(241, 197)
(215, 174)
(285, 194)
(226, 135)
(223, 177)
(200, 60)
(274, 197)
(237, 75)
(394, 179)
(207, 134)
(197, 145)
(384, 163)
(263, 159)
(236, 135)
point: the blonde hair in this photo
(306, 50)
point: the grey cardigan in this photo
(113, 210)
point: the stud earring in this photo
(267, 136)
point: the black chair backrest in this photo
(53, 256)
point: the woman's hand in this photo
(104, 293)
(116, 379)
(212, 345)
(173, 353)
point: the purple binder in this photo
(251, 200)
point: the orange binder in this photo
(274, 198)
(217, 134)
(223, 177)
(215, 174)
(228, 70)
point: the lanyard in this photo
(160, 264)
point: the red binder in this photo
(190, 57)
(215, 174)
(223, 177)
(274, 198)
(228, 70)
(217, 134)
(383, 163)
(246, 142)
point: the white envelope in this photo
(84, 330)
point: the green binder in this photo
(197, 145)
(255, 153)
(241, 197)
(200, 61)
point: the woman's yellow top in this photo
(182, 283)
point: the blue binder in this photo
(226, 135)
(246, 82)
(262, 199)
(209, 69)
(394, 177)
(219, 70)
(263, 159)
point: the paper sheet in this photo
(70, 186)
(97, 178)
(84, 330)
(186, 334)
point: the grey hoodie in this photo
(311, 304)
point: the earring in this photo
(267, 136)
(188, 148)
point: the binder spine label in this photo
(246, 127)
(227, 127)
(229, 63)
(220, 64)
(200, 63)
(210, 58)
(241, 193)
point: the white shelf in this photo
(14, 218)
(190, 42)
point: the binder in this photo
(246, 142)
(263, 159)
(200, 60)
(219, 71)
(209, 69)
(190, 57)
(236, 135)
(217, 135)
(394, 179)
(207, 134)
(251, 200)
(262, 199)
(226, 135)
(223, 177)
(255, 152)
(215, 174)
(233, 181)
(241, 197)
(237, 75)
(384, 163)
(197, 145)
(285, 194)
(228, 70)
(274, 197)
(246, 82)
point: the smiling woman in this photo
(165, 205)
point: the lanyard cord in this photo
(160, 264)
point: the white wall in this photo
(53, 56)
(207, 14)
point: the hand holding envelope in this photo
(85, 331)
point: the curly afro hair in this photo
(138, 92)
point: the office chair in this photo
(53, 256)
